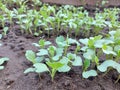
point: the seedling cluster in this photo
(86, 54)
(39, 18)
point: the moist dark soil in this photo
(12, 77)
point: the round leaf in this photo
(30, 55)
(55, 65)
(109, 63)
(42, 52)
(29, 70)
(89, 54)
(1, 67)
(108, 50)
(84, 41)
(40, 67)
(89, 73)
(77, 61)
(2, 60)
(64, 68)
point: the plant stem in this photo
(39, 76)
(53, 74)
(117, 79)
(107, 71)
(66, 48)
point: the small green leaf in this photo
(59, 51)
(42, 43)
(54, 65)
(108, 50)
(98, 37)
(91, 43)
(117, 34)
(112, 33)
(118, 53)
(84, 41)
(2, 60)
(40, 67)
(73, 41)
(89, 54)
(86, 64)
(51, 50)
(89, 73)
(29, 70)
(36, 34)
(109, 63)
(47, 42)
(71, 56)
(77, 61)
(42, 52)
(30, 55)
(100, 43)
(61, 41)
(78, 48)
(104, 47)
(64, 60)
(64, 68)
(96, 60)
(5, 29)
(35, 44)
(1, 67)
(56, 57)
(84, 48)
(117, 48)
(39, 59)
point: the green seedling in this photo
(42, 43)
(38, 68)
(54, 68)
(20, 22)
(59, 59)
(109, 63)
(3, 20)
(31, 56)
(10, 15)
(89, 73)
(51, 19)
(54, 57)
(5, 30)
(90, 50)
(2, 60)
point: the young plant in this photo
(2, 60)
(55, 59)
(110, 63)
(5, 30)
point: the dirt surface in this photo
(83, 2)
(13, 78)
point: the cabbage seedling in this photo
(2, 60)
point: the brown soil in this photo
(13, 78)
(83, 2)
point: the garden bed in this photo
(13, 78)
(20, 27)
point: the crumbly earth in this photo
(13, 78)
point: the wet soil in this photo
(13, 78)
